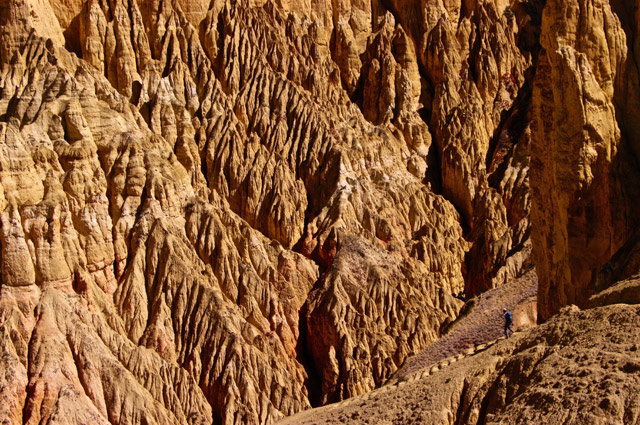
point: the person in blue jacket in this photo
(508, 322)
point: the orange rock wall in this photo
(228, 211)
(584, 152)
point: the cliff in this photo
(584, 173)
(579, 366)
(229, 211)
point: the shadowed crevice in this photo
(313, 382)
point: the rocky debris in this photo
(580, 366)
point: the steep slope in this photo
(480, 322)
(579, 367)
(584, 151)
(226, 211)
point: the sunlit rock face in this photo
(585, 152)
(228, 211)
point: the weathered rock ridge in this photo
(227, 211)
(585, 170)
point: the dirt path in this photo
(579, 367)
(479, 327)
(480, 322)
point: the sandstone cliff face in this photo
(584, 154)
(226, 211)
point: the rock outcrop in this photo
(228, 211)
(584, 154)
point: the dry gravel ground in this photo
(580, 367)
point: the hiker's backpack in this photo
(509, 317)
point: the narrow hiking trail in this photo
(478, 328)
(480, 322)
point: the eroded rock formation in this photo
(227, 211)
(572, 369)
(580, 366)
(584, 154)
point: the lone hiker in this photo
(508, 321)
